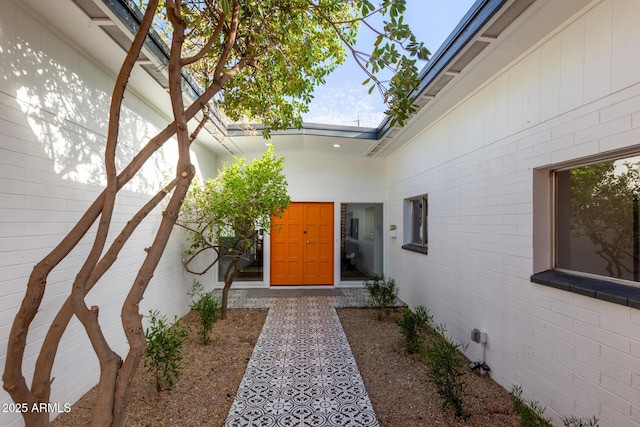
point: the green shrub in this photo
(208, 309)
(383, 292)
(445, 368)
(164, 346)
(413, 326)
(573, 421)
(530, 411)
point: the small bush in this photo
(413, 326)
(164, 346)
(573, 421)
(383, 292)
(530, 411)
(445, 368)
(208, 309)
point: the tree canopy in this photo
(223, 215)
(280, 51)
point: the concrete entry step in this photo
(258, 298)
(293, 293)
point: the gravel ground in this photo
(205, 390)
(396, 381)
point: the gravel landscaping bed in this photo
(203, 393)
(396, 381)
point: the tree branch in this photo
(41, 385)
(231, 40)
(205, 49)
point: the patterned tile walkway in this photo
(302, 371)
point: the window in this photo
(252, 264)
(415, 224)
(596, 219)
(361, 241)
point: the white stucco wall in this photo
(334, 177)
(574, 95)
(53, 116)
(326, 176)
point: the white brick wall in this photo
(574, 95)
(53, 109)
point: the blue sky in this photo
(343, 99)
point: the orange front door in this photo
(302, 245)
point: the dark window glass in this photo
(418, 208)
(597, 218)
(252, 264)
(361, 241)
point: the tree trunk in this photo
(41, 385)
(229, 277)
(225, 298)
(185, 171)
(115, 375)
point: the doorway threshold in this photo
(349, 297)
(294, 291)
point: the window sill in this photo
(415, 248)
(594, 288)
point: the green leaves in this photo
(383, 293)
(270, 55)
(531, 411)
(241, 200)
(394, 54)
(445, 369)
(602, 200)
(208, 309)
(164, 349)
(366, 7)
(226, 7)
(225, 213)
(414, 326)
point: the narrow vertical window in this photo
(415, 224)
(361, 241)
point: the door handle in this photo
(308, 241)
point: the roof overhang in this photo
(347, 140)
(490, 36)
(103, 31)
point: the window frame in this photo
(555, 203)
(409, 222)
(545, 245)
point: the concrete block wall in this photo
(53, 116)
(573, 96)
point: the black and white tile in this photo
(302, 371)
(351, 297)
